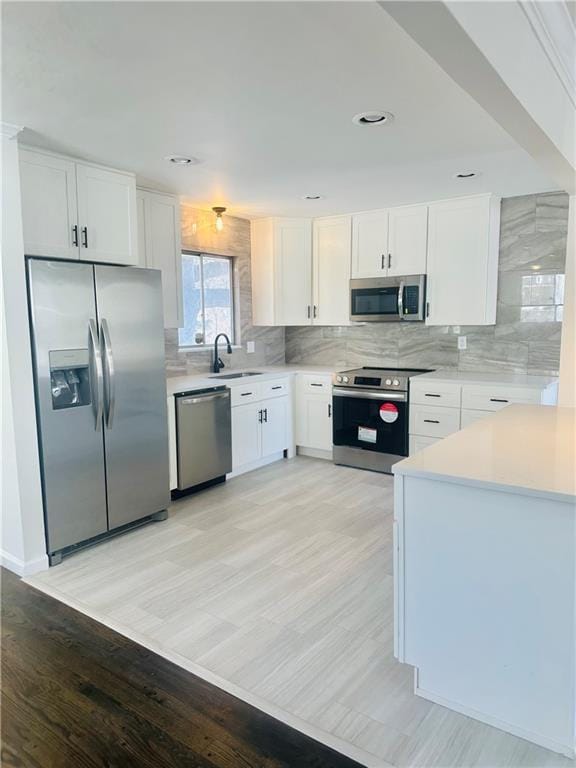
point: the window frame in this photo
(232, 270)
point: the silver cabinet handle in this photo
(109, 377)
(96, 376)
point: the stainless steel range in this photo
(370, 416)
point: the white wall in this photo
(567, 391)
(23, 547)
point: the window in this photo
(542, 298)
(208, 299)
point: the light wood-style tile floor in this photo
(280, 582)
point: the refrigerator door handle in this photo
(109, 378)
(97, 393)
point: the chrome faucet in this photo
(218, 364)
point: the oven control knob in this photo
(339, 378)
(388, 382)
(345, 379)
(396, 382)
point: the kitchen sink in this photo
(237, 375)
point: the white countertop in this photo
(472, 377)
(528, 449)
(192, 383)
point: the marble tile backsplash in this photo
(526, 337)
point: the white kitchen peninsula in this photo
(485, 572)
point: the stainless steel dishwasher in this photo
(203, 437)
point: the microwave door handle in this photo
(401, 299)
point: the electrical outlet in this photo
(250, 347)
(462, 342)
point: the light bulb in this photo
(219, 223)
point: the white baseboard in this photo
(314, 453)
(256, 464)
(536, 738)
(21, 567)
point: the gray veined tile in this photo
(552, 212)
(517, 215)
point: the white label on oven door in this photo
(388, 413)
(367, 435)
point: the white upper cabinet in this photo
(407, 240)
(370, 244)
(390, 242)
(75, 210)
(331, 270)
(107, 215)
(160, 247)
(293, 271)
(49, 210)
(462, 264)
(281, 271)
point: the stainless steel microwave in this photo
(388, 299)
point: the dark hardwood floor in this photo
(77, 694)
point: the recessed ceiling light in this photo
(373, 117)
(463, 175)
(182, 160)
(312, 197)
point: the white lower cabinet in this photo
(261, 424)
(246, 435)
(440, 407)
(314, 412)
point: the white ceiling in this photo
(263, 93)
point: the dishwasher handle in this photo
(202, 398)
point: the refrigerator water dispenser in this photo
(69, 378)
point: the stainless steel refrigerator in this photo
(98, 351)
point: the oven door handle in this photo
(364, 395)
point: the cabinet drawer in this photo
(274, 388)
(418, 443)
(493, 398)
(469, 417)
(433, 422)
(435, 393)
(320, 385)
(245, 393)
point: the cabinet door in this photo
(274, 425)
(319, 416)
(246, 434)
(49, 212)
(164, 252)
(141, 200)
(314, 422)
(462, 262)
(370, 244)
(407, 240)
(107, 215)
(293, 271)
(331, 271)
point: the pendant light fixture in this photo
(219, 210)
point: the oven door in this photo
(370, 300)
(370, 420)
